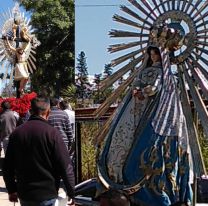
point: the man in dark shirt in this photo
(60, 120)
(36, 159)
(8, 122)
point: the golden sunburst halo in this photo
(7, 57)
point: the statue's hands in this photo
(138, 93)
(134, 92)
(148, 89)
(70, 202)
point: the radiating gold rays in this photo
(7, 57)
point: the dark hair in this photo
(17, 21)
(40, 104)
(54, 101)
(5, 105)
(156, 50)
(64, 104)
(115, 197)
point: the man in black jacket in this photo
(36, 159)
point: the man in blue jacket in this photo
(36, 159)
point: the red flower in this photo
(20, 105)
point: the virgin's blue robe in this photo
(148, 140)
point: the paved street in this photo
(62, 196)
(3, 192)
(3, 195)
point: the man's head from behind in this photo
(41, 106)
(5, 105)
(54, 102)
(114, 198)
(65, 105)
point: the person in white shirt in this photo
(65, 105)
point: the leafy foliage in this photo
(82, 66)
(204, 145)
(82, 81)
(96, 92)
(53, 21)
(97, 79)
(107, 71)
(70, 93)
(99, 96)
(88, 132)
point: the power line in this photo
(100, 5)
(113, 5)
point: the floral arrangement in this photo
(20, 105)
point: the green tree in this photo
(53, 21)
(82, 81)
(97, 94)
(70, 93)
(107, 71)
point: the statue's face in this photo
(17, 22)
(154, 56)
(154, 33)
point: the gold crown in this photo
(166, 37)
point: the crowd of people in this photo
(38, 152)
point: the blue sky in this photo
(91, 31)
(6, 4)
(93, 21)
